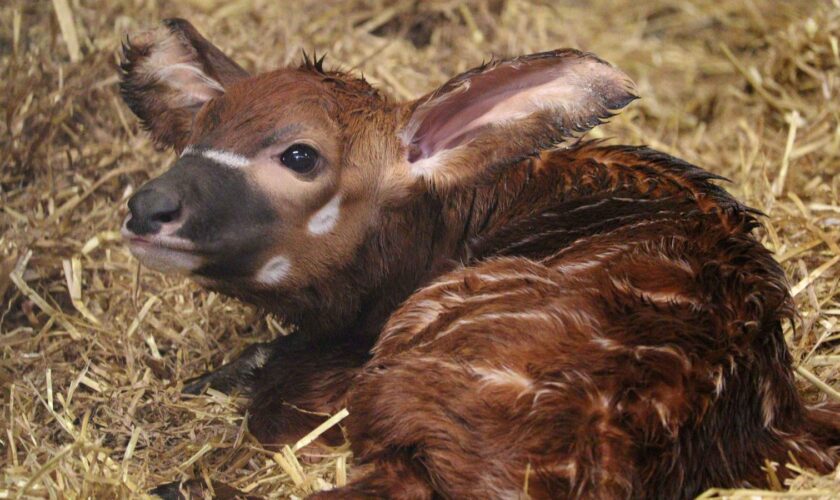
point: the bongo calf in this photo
(498, 302)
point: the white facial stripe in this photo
(226, 158)
(325, 219)
(274, 271)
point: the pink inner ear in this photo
(177, 66)
(448, 123)
(192, 84)
(579, 88)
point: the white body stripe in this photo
(325, 219)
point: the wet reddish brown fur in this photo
(594, 322)
(645, 317)
(643, 295)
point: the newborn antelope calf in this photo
(498, 303)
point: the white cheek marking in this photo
(324, 219)
(273, 272)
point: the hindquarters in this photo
(643, 366)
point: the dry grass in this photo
(93, 346)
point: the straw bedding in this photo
(93, 347)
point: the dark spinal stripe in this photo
(543, 233)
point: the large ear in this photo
(507, 110)
(168, 74)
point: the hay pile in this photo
(93, 346)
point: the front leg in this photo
(294, 383)
(237, 376)
(302, 384)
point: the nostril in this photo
(150, 208)
(168, 216)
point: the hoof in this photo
(194, 488)
(197, 385)
(236, 376)
(170, 491)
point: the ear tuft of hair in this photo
(132, 89)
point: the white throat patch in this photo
(225, 158)
(274, 271)
(326, 217)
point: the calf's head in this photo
(283, 175)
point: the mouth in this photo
(166, 253)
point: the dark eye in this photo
(300, 158)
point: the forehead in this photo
(252, 110)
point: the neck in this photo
(408, 247)
(401, 253)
